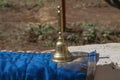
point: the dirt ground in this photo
(14, 20)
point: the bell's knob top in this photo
(58, 8)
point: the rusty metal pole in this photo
(63, 16)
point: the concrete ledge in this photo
(108, 65)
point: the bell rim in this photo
(62, 60)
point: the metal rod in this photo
(63, 16)
(59, 18)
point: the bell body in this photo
(61, 53)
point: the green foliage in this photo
(106, 33)
(36, 29)
(3, 3)
(40, 32)
(73, 37)
(48, 28)
(47, 35)
(40, 3)
(89, 25)
(48, 31)
(33, 32)
(90, 34)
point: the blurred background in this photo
(33, 24)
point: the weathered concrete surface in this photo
(108, 66)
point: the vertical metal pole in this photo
(63, 16)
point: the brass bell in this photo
(61, 53)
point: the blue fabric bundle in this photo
(33, 66)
